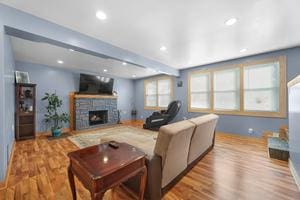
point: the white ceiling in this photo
(193, 31)
(46, 54)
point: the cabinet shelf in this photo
(25, 121)
(26, 114)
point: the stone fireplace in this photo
(92, 111)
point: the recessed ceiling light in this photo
(231, 21)
(105, 70)
(101, 15)
(243, 50)
(163, 48)
(71, 50)
(133, 75)
(124, 63)
(60, 62)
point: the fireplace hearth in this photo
(98, 117)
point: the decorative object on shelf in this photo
(179, 84)
(25, 111)
(52, 117)
(22, 77)
(28, 94)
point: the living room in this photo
(173, 103)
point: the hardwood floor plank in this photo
(237, 168)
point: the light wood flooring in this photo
(237, 168)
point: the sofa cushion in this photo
(173, 143)
(203, 135)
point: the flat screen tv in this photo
(90, 84)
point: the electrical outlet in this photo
(185, 118)
(250, 131)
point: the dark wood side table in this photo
(102, 167)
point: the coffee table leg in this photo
(143, 183)
(72, 182)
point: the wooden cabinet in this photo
(25, 111)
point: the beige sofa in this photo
(179, 146)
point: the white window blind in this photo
(261, 87)
(158, 93)
(164, 92)
(227, 89)
(150, 94)
(200, 91)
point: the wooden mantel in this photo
(73, 96)
(93, 96)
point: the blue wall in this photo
(7, 97)
(51, 79)
(227, 123)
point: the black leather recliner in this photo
(158, 119)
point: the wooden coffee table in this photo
(102, 167)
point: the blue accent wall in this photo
(227, 123)
(53, 79)
(7, 97)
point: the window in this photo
(151, 97)
(200, 91)
(164, 92)
(158, 93)
(227, 89)
(261, 87)
(251, 89)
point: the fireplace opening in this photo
(97, 117)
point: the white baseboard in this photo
(294, 173)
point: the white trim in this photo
(294, 173)
(294, 81)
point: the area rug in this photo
(143, 139)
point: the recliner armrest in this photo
(163, 111)
(161, 116)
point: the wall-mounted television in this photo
(91, 84)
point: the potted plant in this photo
(52, 116)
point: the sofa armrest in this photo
(154, 177)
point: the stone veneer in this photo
(84, 105)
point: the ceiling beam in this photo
(27, 26)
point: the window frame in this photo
(157, 107)
(281, 93)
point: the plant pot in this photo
(56, 132)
